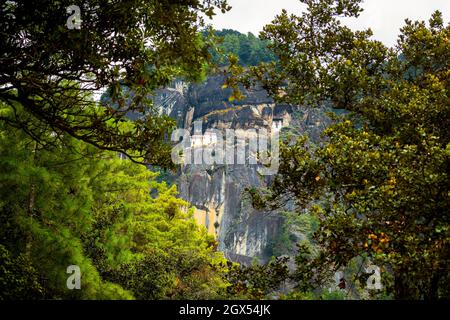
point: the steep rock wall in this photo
(217, 191)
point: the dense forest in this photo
(249, 49)
(80, 181)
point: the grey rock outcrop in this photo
(217, 191)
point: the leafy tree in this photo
(45, 208)
(19, 279)
(75, 205)
(249, 49)
(151, 245)
(49, 70)
(381, 173)
(295, 228)
(257, 281)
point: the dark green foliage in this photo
(76, 205)
(149, 279)
(250, 50)
(297, 228)
(49, 71)
(381, 174)
(18, 278)
(258, 281)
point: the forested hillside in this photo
(249, 49)
(76, 205)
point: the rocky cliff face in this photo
(217, 191)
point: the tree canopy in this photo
(249, 49)
(49, 71)
(131, 236)
(379, 179)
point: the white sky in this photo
(384, 17)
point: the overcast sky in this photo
(385, 17)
